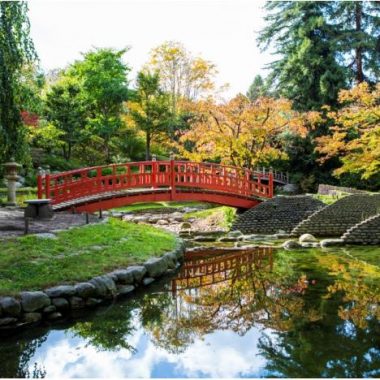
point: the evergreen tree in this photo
(307, 71)
(258, 88)
(150, 110)
(16, 49)
(358, 38)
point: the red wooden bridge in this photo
(205, 268)
(104, 187)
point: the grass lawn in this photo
(31, 263)
(136, 207)
(224, 214)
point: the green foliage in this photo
(33, 263)
(306, 72)
(150, 109)
(16, 49)
(65, 110)
(358, 23)
(258, 88)
(102, 78)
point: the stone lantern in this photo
(11, 174)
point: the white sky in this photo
(222, 31)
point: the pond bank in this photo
(88, 271)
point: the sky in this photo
(221, 31)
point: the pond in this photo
(227, 313)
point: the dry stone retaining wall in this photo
(337, 218)
(366, 232)
(278, 213)
(31, 307)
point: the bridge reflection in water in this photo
(212, 266)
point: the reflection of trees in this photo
(110, 329)
(261, 296)
(346, 341)
(15, 356)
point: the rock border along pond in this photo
(29, 308)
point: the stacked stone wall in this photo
(366, 232)
(337, 218)
(278, 213)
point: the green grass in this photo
(330, 199)
(136, 207)
(22, 194)
(29, 262)
(224, 214)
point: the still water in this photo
(257, 313)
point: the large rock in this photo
(124, 276)
(85, 289)
(10, 306)
(331, 243)
(156, 267)
(105, 286)
(138, 272)
(60, 291)
(291, 244)
(171, 259)
(61, 303)
(32, 301)
(307, 238)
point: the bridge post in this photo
(270, 183)
(154, 171)
(47, 183)
(172, 178)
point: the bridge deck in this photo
(105, 187)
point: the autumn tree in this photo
(240, 132)
(181, 74)
(150, 109)
(355, 135)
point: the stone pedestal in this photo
(11, 170)
(38, 209)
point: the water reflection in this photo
(226, 314)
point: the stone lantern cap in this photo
(11, 169)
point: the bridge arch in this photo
(104, 187)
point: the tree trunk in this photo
(147, 150)
(359, 49)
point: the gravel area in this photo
(12, 222)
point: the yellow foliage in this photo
(355, 134)
(240, 132)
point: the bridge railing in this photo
(176, 175)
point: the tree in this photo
(306, 71)
(66, 111)
(258, 88)
(358, 38)
(16, 49)
(102, 78)
(355, 135)
(181, 74)
(240, 132)
(150, 111)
